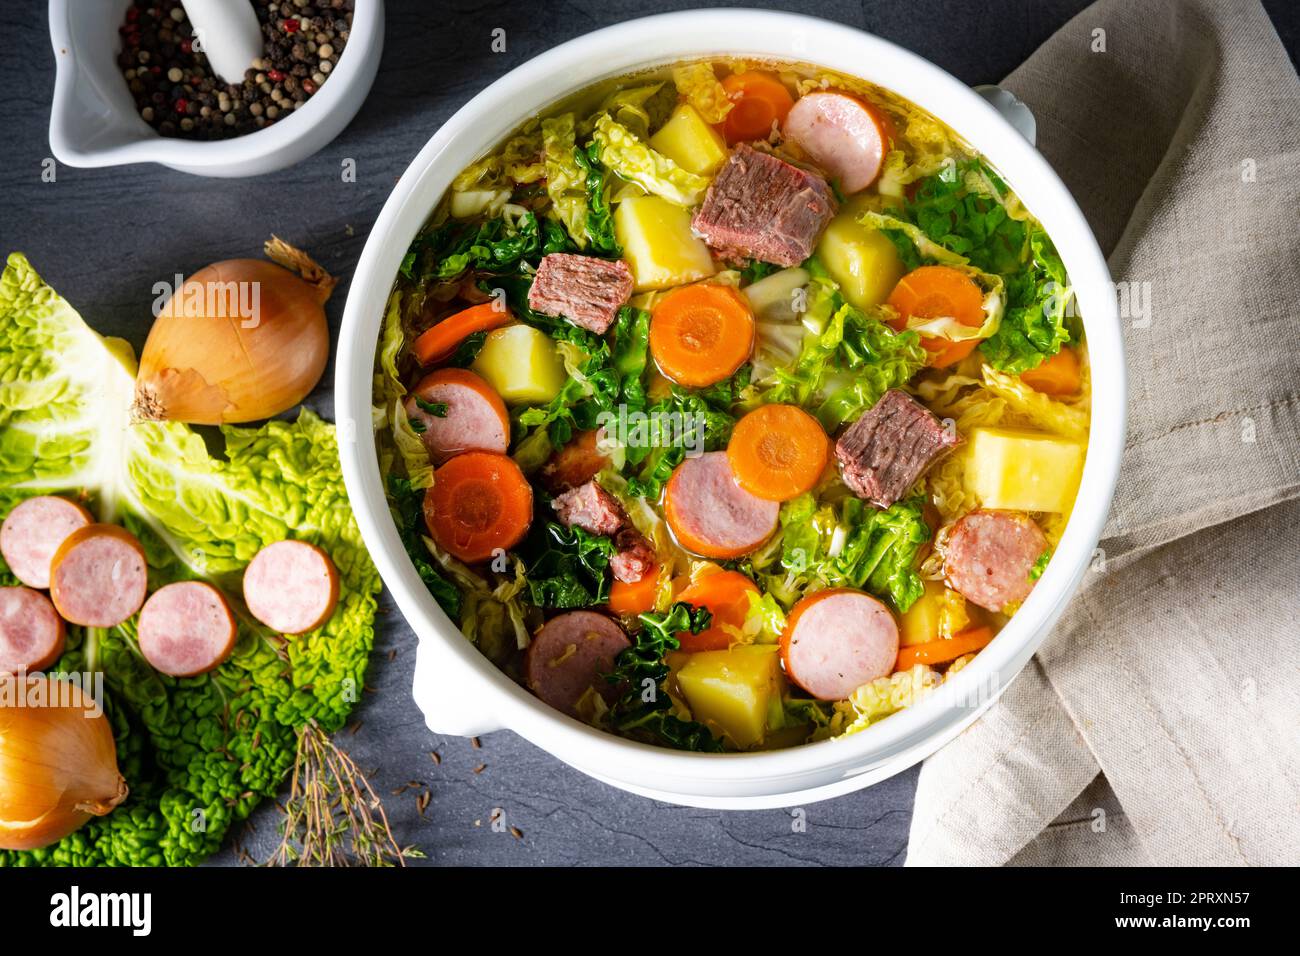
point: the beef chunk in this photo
(583, 289)
(591, 508)
(633, 556)
(759, 207)
(884, 452)
(594, 510)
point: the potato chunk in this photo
(920, 623)
(732, 690)
(1024, 470)
(522, 364)
(658, 244)
(861, 259)
(690, 142)
(938, 614)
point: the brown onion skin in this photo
(68, 766)
(210, 370)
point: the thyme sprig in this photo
(333, 817)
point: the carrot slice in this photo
(940, 652)
(441, 340)
(778, 452)
(480, 503)
(760, 100)
(726, 595)
(933, 292)
(700, 334)
(1059, 375)
(637, 597)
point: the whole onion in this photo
(240, 340)
(58, 762)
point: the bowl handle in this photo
(1013, 111)
(446, 696)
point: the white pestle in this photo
(228, 34)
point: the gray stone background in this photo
(103, 237)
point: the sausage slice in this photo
(32, 533)
(98, 577)
(291, 586)
(845, 136)
(837, 640)
(711, 514)
(571, 653)
(186, 629)
(475, 419)
(32, 634)
(989, 555)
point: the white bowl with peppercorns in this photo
(132, 86)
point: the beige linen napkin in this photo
(1160, 721)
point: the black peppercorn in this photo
(193, 102)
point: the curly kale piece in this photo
(964, 208)
(644, 709)
(600, 217)
(407, 503)
(567, 567)
(498, 245)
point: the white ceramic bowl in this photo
(94, 121)
(458, 689)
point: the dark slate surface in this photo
(103, 237)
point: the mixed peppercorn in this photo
(178, 93)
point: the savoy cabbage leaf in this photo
(198, 753)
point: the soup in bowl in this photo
(731, 405)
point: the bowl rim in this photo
(754, 34)
(151, 147)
